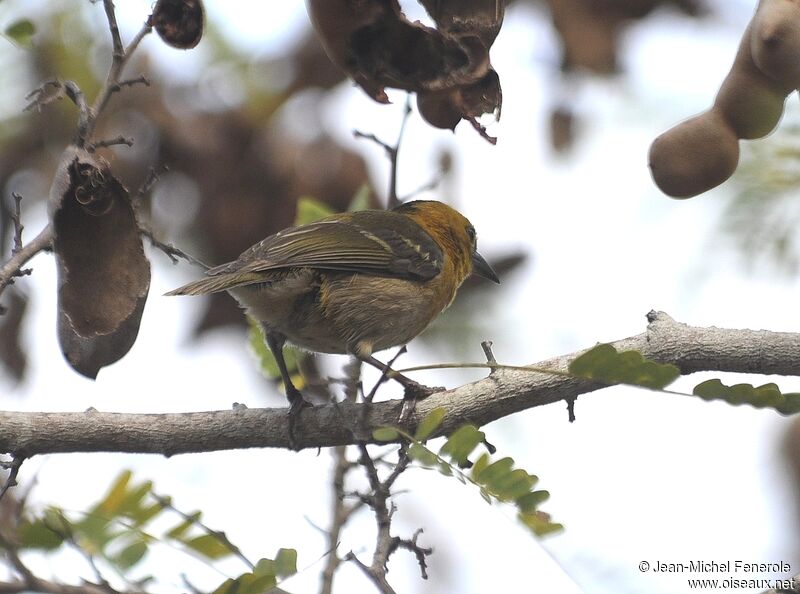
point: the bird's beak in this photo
(481, 268)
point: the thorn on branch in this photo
(486, 345)
(571, 409)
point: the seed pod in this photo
(179, 23)
(775, 40)
(103, 275)
(750, 101)
(694, 156)
(439, 109)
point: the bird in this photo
(352, 283)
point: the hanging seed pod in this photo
(694, 156)
(103, 275)
(775, 42)
(179, 23)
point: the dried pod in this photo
(482, 18)
(12, 355)
(379, 47)
(750, 100)
(694, 156)
(179, 23)
(439, 109)
(775, 40)
(446, 109)
(103, 275)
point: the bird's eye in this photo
(471, 233)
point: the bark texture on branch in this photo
(501, 394)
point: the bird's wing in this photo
(372, 242)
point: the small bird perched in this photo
(355, 283)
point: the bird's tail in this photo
(215, 284)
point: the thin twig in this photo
(17, 220)
(387, 369)
(119, 58)
(392, 152)
(170, 250)
(218, 534)
(13, 266)
(421, 553)
(39, 97)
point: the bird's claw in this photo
(296, 405)
(413, 393)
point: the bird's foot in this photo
(413, 393)
(296, 405)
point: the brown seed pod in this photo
(439, 109)
(775, 40)
(103, 275)
(750, 101)
(694, 156)
(179, 23)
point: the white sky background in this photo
(639, 476)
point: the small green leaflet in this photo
(430, 423)
(605, 364)
(462, 443)
(310, 210)
(264, 576)
(385, 434)
(766, 396)
(21, 33)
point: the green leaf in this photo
(21, 32)
(418, 452)
(286, 562)
(385, 434)
(265, 567)
(430, 423)
(492, 472)
(462, 443)
(529, 502)
(481, 463)
(605, 364)
(130, 555)
(765, 396)
(131, 504)
(178, 531)
(208, 546)
(310, 210)
(113, 500)
(540, 523)
(361, 199)
(37, 534)
(513, 485)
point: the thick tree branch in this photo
(503, 393)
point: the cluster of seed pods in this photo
(703, 151)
